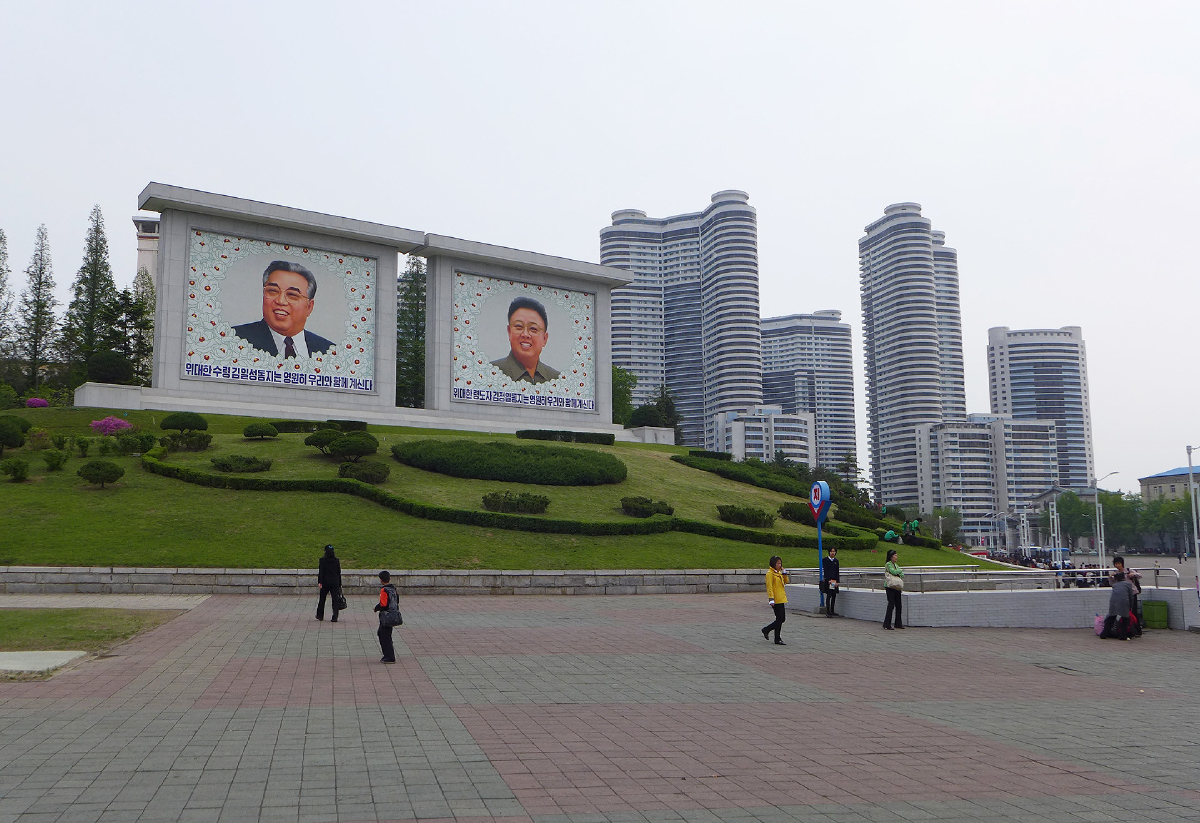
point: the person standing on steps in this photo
(777, 598)
(831, 572)
(893, 580)
(329, 582)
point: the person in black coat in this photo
(329, 581)
(831, 574)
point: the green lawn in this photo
(147, 520)
(87, 630)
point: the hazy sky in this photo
(1056, 144)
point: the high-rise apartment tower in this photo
(912, 341)
(689, 320)
(808, 368)
(1042, 374)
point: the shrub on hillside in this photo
(368, 471)
(755, 474)
(322, 438)
(523, 502)
(8, 397)
(183, 422)
(59, 440)
(187, 441)
(109, 367)
(17, 468)
(354, 446)
(746, 516)
(100, 472)
(36, 403)
(797, 513)
(11, 435)
(710, 455)
(83, 444)
(20, 422)
(55, 459)
(110, 426)
(260, 431)
(294, 426)
(349, 425)
(600, 438)
(498, 460)
(240, 463)
(37, 439)
(858, 516)
(644, 507)
(135, 443)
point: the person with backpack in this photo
(329, 582)
(1120, 608)
(389, 616)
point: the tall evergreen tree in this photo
(7, 321)
(37, 321)
(94, 299)
(143, 293)
(623, 384)
(410, 335)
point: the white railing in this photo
(972, 578)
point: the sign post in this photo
(818, 504)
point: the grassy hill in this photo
(148, 520)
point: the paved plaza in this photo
(586, 709)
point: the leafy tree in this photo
(99, 472)
(94, 296)
(648, 415)
(11, 435)
(184, 422)
(35, 330)
(951, 523)
(666, 417)
(7, 321)
(623, 384)
(1122, 514)
(107, 366)
(410, 335)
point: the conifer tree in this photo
(410, 335)
(143, 345)
(7, 321)
(37, 322)
(94, 299)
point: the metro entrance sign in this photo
(818, 503)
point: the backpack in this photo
(391, 615)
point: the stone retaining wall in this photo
(115, 580)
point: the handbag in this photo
(341, 601)
(391, 617)
(893, 581)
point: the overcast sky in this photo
(1056, 144)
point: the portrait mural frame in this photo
(232, 264)
(480, 344)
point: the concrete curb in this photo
(118, 580)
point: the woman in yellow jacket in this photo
(777, 597)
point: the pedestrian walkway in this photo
(595, 709)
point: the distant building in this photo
(985, 467)
(808, 368)
(763, 432)
(689, 320)
(912, 341)
(147, 245)
(1170, 484)
(1041, 374)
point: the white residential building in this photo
(808, 368)
(689, 320)
(1041, 374)
(912, 342)
(763, 432)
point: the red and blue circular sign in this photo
(818, 500)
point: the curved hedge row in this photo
(497, 460)
(802, 541)
(746, 474)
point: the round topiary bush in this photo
(368, 471)
(322, 438)
(36, 403)
(497, 460)
(99, 472)
(260, 431)
(109, 367)
(183, 422)
(354, 446)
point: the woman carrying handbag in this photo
(893, 580)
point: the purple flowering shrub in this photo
(110, 425)
(36, 403)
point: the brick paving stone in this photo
(601, 710)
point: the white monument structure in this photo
(270, 311)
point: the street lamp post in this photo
(1192, 495)
(1099, 530)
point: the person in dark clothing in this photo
(1134, 578)
(388, 597)
(329, 581)
(1120, 606)
(831, 574)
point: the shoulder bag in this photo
(893, 581)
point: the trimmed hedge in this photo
(802, 541)
(136, 443)
(726, 456)
(746, 516)
(600, 438)
(185, 441)
(349, 425)
(523, 502)
(497, 460)
(644, 507)
(426, 511)
(368, 471)
(184, 422)
(260, 431)
(293, 426)
(858, 516)
(797, 513)
(240, 463)
(746, 473)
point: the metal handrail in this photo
(972, 577)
